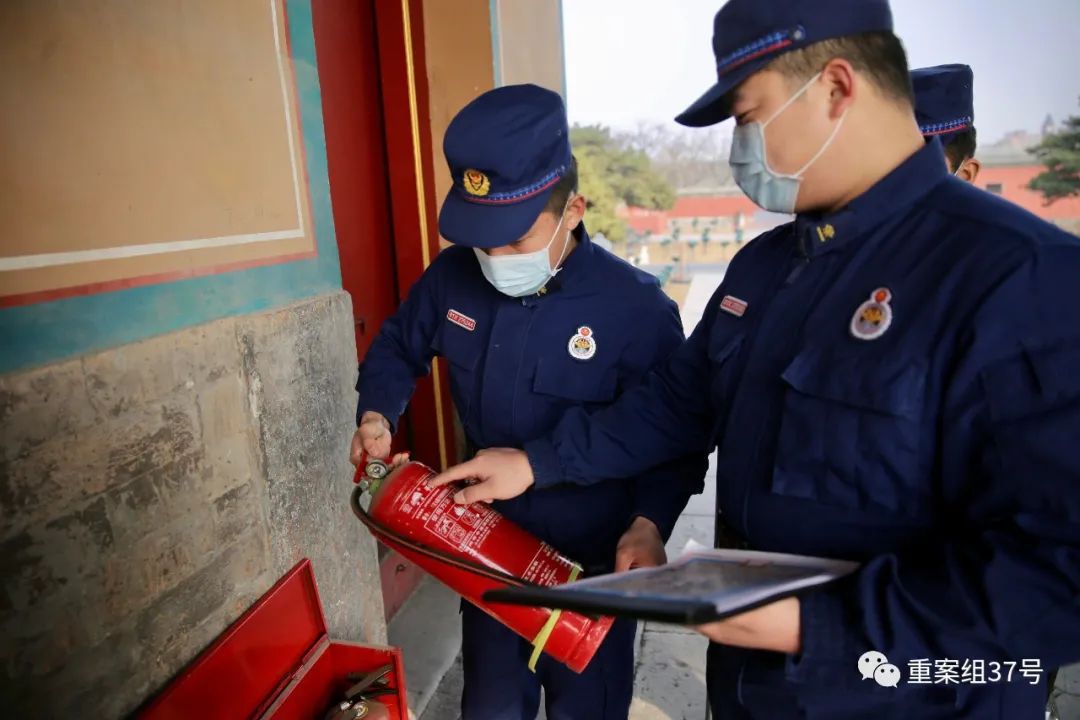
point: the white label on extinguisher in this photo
(544, 567)
(461, 526)
(467, 528)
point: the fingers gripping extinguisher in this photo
(474, 549)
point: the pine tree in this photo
(1060, 153)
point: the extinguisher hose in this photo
(394, 538)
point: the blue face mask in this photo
(523, 274)
(769, 189)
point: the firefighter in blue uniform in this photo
(890, 378)
(533, 319)
(945, 109)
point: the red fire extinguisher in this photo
(474, 549)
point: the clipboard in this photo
(697, 588)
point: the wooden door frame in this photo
(403, 76)
(402, 195)
(402, 71)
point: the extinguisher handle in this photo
(358, 476)
(370, 472)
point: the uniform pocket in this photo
(562, 383)
(1033, 401)
(576, 382)
(723, 379)
(850, 432)
(462, 351)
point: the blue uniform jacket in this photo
(512, 377)
(943, 455)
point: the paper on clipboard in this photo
(693, 546)
(729, 579)
(699, 586)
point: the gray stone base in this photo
(150, 493)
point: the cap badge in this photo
(582, 345)
(477, 183)
(873, 317)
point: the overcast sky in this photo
(644, 60)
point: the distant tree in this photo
(705, 237)
(635, 182)
(601, 198)
(1060, 153)
(686, 158)
(611, 172)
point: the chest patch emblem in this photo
(582, 345)
(733, 305)
(462, 321)
(873, 317)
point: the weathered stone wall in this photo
(149, 494)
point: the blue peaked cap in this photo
(507, 150)
(749, 34)
(944, 100)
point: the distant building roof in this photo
(642, 220)
(690, 206)
(1013, 149)
(1011, 182)
(1008, 167)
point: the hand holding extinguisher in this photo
(372, 439)
(474, 549)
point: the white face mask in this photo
(749, 162)
(523, 274)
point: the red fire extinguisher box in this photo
(277, 662)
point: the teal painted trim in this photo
(47, 332)
(496, 54)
